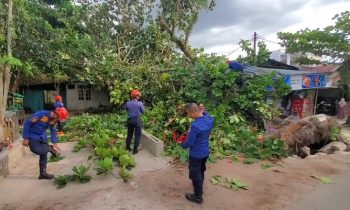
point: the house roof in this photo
(44, 80)
(321, 68)
(273, 64)
(284, 72)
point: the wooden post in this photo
(315, 101)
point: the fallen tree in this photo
(314, 132)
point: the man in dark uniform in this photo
(34, 136)
(198, 142)
(135, 109)
(59, 104)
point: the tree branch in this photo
(180, 43)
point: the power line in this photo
(251, 39)
(233, 51)
(263, 38)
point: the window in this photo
(71, 86)
(88, 94)
(84, 92)
(81, 94)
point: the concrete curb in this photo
(154, 145)
(9, 159)
(4, 167)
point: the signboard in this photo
(294, 81)
(314, 81)
(306, 81)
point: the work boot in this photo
(194, 198)
(135, 151)
(44, 175)
(54, 152)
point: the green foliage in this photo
(80, 173)
(154, 119)
(82, 143)
(125, 174)
(103, 152)
(102, 132)
(10, 61)
(252, 95)
(127, 161)
(229, 183)
(243, 140)
(55, 158)
(305, 60)
(117, 152)
(104, 166)
(250, 161)
(66, 138)
(61, 181)
(259, 59)
(323, 179)
(331, 41)
(266, 165)
(335, 132)
(176, 151)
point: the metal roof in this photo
(283, 72)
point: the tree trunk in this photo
(15, 82)
(5, 75)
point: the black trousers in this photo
(197, 168)
(60, 126)
(40, 148)
(134, 125)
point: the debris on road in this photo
(323, 179)
(229, 183)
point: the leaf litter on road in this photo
(323, 179)
(229, 183)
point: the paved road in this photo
(328, 197)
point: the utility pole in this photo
(254, 45)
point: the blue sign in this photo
(314, 81)
(288, 81)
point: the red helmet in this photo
(58, 98)
(62, 114)
(135, 93)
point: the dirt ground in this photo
(163, 187)
(159, 185)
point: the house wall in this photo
(98, 97)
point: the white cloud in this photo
(218, 31)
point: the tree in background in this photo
(332, 41)
(251, 58)
(7, 61)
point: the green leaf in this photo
(266, 165)
(184, 157)
(121, 136)
(211, 159)
(127, 161)
(61, 181)
(55, 159)
(214, 181)
(238, 183)
(104, 166)
(326, 180)
(250, 161)
(323, 179)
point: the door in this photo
(34, 99)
